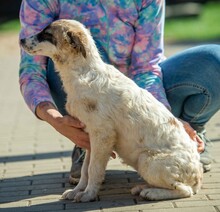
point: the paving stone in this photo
(214, 196)
(189, 209)
(197, 203)
(14, 204)
(13, 193)
(35, 160)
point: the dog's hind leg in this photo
(180, 191)
(136, 190)
(101, 148)
(71, 193)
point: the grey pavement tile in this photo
(13, 193)
(197, 203)
(13, 204)
(210, 185)
(115, 206)
(112, 197)
(56, 167)
(116, 190)
(112, 185)
(18, 174)
(48, 198)
(47, 171)
(17, 168)
(49, 161)
(43, 207)
(197, 197)
(189, 209)
(79, 210)
(46, 191)
(16, 180)
(20, 160)
(55, 175)
(99, 205)
(31, 187)
(11, 199)
(41, 203)
(49, 158)
(214, 179)
(10, 157)
(214, 196)
(48, 181)
(210, 191)
(13, 183)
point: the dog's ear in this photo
(76, 43)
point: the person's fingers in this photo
(200, 144)
(72, 121)
(193, 135)
(113, 155)
(190, 131)
(83, 144)
(80, 138)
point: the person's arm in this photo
(148, 49)
(34, 17)
(148, 52)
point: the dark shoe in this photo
(78, 155)
(205, 157)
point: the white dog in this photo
(119, 116)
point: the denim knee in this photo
(191, 81)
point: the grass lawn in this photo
(10, 26)
(202, 28)
(205, 27)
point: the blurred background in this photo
(189, 21)
(186, 20)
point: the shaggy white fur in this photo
(119, 116)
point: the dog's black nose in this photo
(22, 41)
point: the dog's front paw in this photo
(69, 194)
(85, 196)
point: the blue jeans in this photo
(191, 81)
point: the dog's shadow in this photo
(42, 192)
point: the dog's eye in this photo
(45, 36)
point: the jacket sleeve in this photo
(148, 49)
(34, 17)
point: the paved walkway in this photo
(35, 160)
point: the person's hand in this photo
(73, 129)
(68, 126)
(193, 135)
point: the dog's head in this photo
(61, 39)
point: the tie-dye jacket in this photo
(128, 33)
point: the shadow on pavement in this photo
(42, 192)
(37, 156)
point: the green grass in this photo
(202, 28)
(10, 26)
